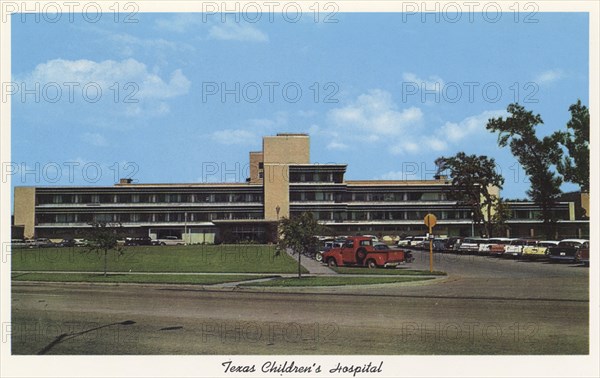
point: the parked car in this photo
(514, 249)
(439, 244)
(583, 255)
(566, 250)
(418, 242)
(41, 243)
(497, 249)
(144, 240)
(81, 242)
(18, 243)
(169, 240)
(485, 247)
(360, 251)
(65, 243)
(405, 241)
(470, 245)
(373, 237)
(453, 243)
(539, 250)
(327, 246)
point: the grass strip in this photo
(179, 259)
(332, 281)
(397, 271)
(193, 279)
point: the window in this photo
(103, 217)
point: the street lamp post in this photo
(472, 224)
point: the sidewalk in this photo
(313, 266)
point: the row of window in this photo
(300, 196)
(536, 214)
(295, 196)
(328, 177)
(383, 215)
(149, 198)
(145, 217)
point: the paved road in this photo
(485, 306)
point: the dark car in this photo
(66, 243)
(566, 250)
(43, 243)
(583, 255)
(144, 240)
(453, 243)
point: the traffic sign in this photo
(430, 220)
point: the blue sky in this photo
(384, 95)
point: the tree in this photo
(472, 177)
(103, 238)
(299, 234)
(535, 155)
(575, 167)
(502, 213)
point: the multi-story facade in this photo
(282, 183)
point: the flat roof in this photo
(396, 182)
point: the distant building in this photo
(282, 183)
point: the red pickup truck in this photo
(360, 251)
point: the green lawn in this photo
(196, 258)
(398, 271)
(134, 278)
(334, 281)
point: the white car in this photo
(373, 237)
(170, 240)
(412, 241)
(486, 246)
(470, 245)
(515, 247)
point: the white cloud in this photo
(406, 147)
(436, 144)
(376, 114)
(335, 145)
(180, 22)
(549, 76)
(95, 139)
(217, 29)
(106, 73)
(468, 127)
(124, 87)
(237, 32)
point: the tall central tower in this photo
(278, 153)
